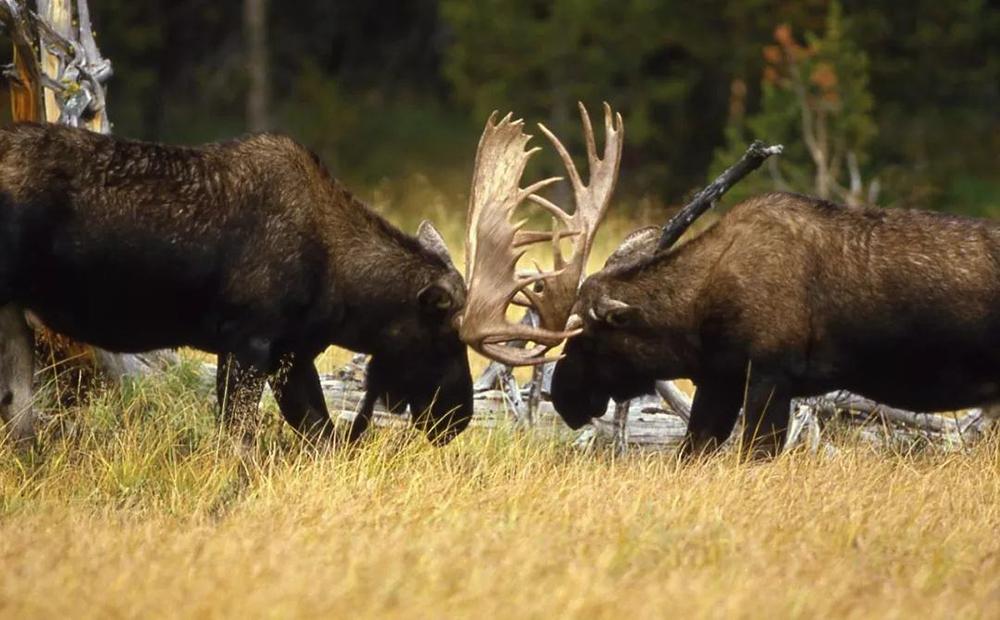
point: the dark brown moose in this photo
(248, 249)
(790, 296)
(785, 296)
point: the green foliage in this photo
(816, 101)
(540, 59)
(390, 88)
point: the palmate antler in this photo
(494, 243)
(555, 300)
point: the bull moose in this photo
(784, 296)
(248, 249)
(790, 296)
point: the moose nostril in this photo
(7, 399)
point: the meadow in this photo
(136, 505)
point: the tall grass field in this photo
(137, 505)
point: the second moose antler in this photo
(494, 243)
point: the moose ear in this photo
(615, 313)
(436, 297)
(637, 241)
(432, 241)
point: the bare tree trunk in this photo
(58, 14)
(17, 350)
(258, 71)
(25, 92)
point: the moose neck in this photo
(673, 288)
(377, 270)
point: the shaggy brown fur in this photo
(790, 296)
(247, 248)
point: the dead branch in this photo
(678, 401)
(755, 155)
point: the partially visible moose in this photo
(248, 249)
(790, 296)
(784, 296)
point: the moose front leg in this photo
(238, 388)
(374, 389)
(17, 350)
(713, 414)
(297, 389)
(378, 385)
(363, 418)
(766, 413)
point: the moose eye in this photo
(619, 318)
(435, 296)
(613, 313)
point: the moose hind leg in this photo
(17, 350)
(300, 397)
(238, 389)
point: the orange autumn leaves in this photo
(787, 60)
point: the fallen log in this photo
(858, 406)
(676, 399)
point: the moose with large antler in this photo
(784, 296)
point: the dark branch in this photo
(751, 160)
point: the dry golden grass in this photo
(137, 507)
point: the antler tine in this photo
(529, 192)
(612, 124)
(519, 357)
(531, 237)
(574, 175)
(588, 131)
(557, 212)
